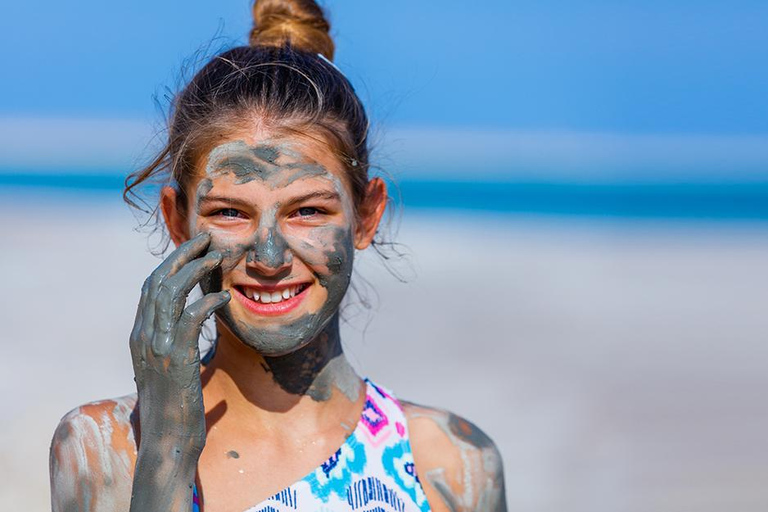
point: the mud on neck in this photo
(315, 369)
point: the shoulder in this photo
(97, 424)
(460, 467)
(92, 455)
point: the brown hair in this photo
(284, 80)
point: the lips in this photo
(272, 301)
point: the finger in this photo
(141, 310)
(188, 328)
(182, 255)
(135, 339)
(174, 290)
(140, 334)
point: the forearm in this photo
(164, 476)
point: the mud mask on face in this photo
(327, 250)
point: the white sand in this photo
(618, 366)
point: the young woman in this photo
(268, 198)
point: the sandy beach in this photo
(619, 365)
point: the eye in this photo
(307, 211)
(228, 212)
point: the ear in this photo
(372, 211)
(175, 221)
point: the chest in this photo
(235, 472)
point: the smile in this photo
(273, 301)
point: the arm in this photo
(459, 466)
(166, 362)
(93, 461)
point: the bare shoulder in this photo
(92, 456)
(459, 465)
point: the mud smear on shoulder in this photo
(92, 455)
(483, 489)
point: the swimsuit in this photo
(372, 471)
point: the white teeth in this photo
(272, 297)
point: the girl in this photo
(268, 198)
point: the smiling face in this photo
(280, 213)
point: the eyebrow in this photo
(208, 198)
(320, 194)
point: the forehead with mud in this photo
(325, 249)
(260, 162)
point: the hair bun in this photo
(298, 23)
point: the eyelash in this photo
(315, 211)
(233, 213)
(223, 211)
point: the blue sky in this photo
(634, 66)
(517, 89)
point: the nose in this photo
(270, 253)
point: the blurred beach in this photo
(619, 364)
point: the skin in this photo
(279, 396)
(461, 466)
(315, 369)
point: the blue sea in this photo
(715, 201)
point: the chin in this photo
(274, 336)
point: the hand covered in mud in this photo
(166, 358)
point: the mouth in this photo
(272, 301)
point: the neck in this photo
(318, 372)
(316, 369)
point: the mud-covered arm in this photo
(166, 363)
(165, 474)
(460, 467)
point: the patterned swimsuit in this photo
(372, 471)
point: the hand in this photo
(166, 358)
